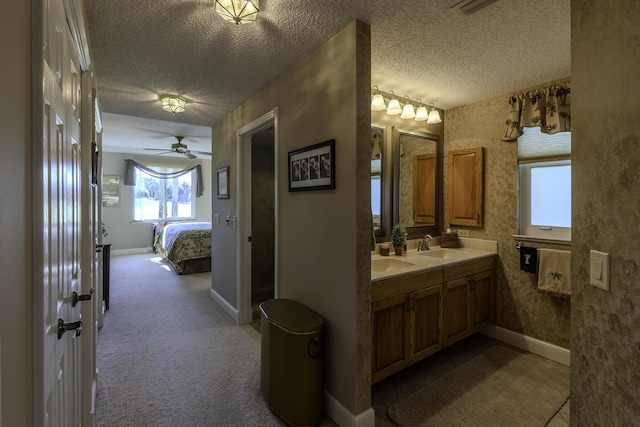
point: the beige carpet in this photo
(500, 387)
(169, 356)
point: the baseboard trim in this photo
(226, 307)
(131, 251)
(541, 348)
(344, 418)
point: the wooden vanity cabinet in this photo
(405, 321)
(425, 323)
(464, 189)
(469, 299)
(416, 315)
(390, 340)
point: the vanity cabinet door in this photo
(455, 312)
(424, 189)
(425, 322)
(482, 300)
(390, 336)
(464, 190)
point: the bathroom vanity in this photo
(425, 301)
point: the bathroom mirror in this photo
(417, 181)
(380, 182)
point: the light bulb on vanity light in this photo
(421, 113)
(434, 115)
(377, 101)
(408, 111)
(394, 106)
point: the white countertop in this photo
(425, 261)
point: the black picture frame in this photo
(313, 167)
(223, 182)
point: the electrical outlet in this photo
(463, 233)
(216, 218)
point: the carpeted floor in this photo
(169, 356)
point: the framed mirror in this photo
(417, 181)
(381, 182)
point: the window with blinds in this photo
(534, 145)
(545, 184)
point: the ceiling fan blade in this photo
(189, 155)
(204, 153)
(156, 149)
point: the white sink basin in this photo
(442, 253)
(389, 264)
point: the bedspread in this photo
(185, 241)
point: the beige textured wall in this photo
(16, 285)
(117, 220)
(605, 344)
(521, 308)
(323, 258)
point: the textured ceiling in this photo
(425, 49)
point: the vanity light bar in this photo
(381, 100)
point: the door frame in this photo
(243, 176)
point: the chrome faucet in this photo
(424, 244)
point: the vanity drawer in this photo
(469, 268)
(401, 285)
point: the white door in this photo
(56, 183)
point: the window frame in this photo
(526, 229)
(192, 197)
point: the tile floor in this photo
(391, 390)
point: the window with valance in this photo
(163, 192)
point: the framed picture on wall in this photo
(313, 167)
(223, 182)
(111, 191)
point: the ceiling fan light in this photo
(173, 103)
(238, 11)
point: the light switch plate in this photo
(599, 269)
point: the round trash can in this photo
(292, 361)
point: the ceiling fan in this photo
(180, 148)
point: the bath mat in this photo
(499, 387)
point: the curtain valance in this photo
(130, 174)
(548, 108)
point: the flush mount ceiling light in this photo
(173, 103)
(238, 11)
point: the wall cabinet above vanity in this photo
(464, 189)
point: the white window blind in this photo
(534, 145)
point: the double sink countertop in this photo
(384, 267)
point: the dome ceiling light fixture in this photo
(173, 103)
(238, 11)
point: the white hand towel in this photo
(554, 272)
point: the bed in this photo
(186, 246)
